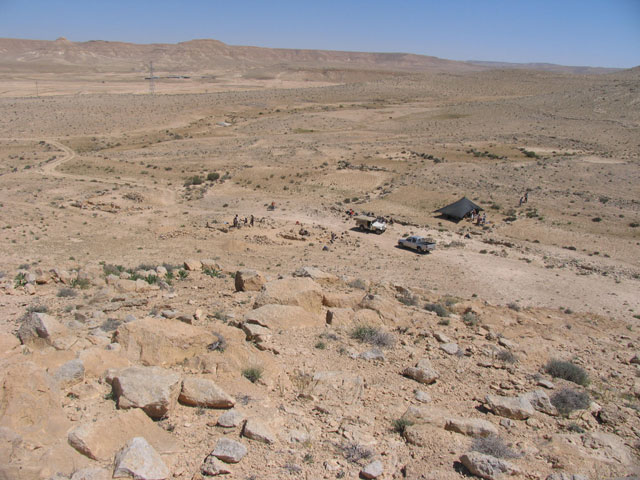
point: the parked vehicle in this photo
(371, 224)
(419, 244)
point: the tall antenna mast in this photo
(152, 80)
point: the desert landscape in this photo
(144, 335)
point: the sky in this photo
(603, 33)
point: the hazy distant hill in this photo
(547, 67)
(62, 55)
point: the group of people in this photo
(476, 217)
(247, 221)
(524, 198)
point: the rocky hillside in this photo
(197, 370)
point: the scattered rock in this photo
(256, 430)
(546, 383)
(153, 389)
(486, 466)
(249, 280)
(340, 317)
(139, 460)
(473, 427)
(516, 408)
(541, 402)
(422, 396)
(316, 274)
(202, 392)
(92, 473)
(230, 419)
(373, 354)
(372, 470)
(450, 348)
(212, 467)
(229, 451)
(423, 372)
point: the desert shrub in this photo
(110, 324)
(507, 356)
(213, 176)
(66, 292)
(575, 428)
(151, 279)
(182, 274)
(567, 371)
(212, 272)
(81, 283)
(596, 219)
(409, 299)
(514, 306)
(470, 319)
(355, 453)
(450, 301)
(20, 280)
(493, 445)
(372, 336)
(439, 310)
(444, 321)
(320, 345)
(634, 224)
(195, 180)
(401, 424)
(567, 400)
(109, 269)
(37, 308)
(358, 283)
(253, 374)
(219, 345)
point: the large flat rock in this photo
(301, 292)
(161, 341)
(102, 439)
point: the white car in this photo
(419, 244)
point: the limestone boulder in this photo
(97, 360)
(301, 292)
(102, 439)
(340, 317)
(92, 473)
(256, 333)
(153, 389)
(487, 467)
(515, 408)
(249, 280)
(341, 300)
(161, 341)
(337, 387)
(203, 392)
(139, 460)
(384, 307)
(192, 265)
(282, 317)
(212, 467)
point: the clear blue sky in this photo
(588, 32)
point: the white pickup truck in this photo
(419, 244)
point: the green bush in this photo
(567, 400)
(213, 176)
(470, 319)
(212, 272)
(567, 371)
(20, 280)
(195, 180)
